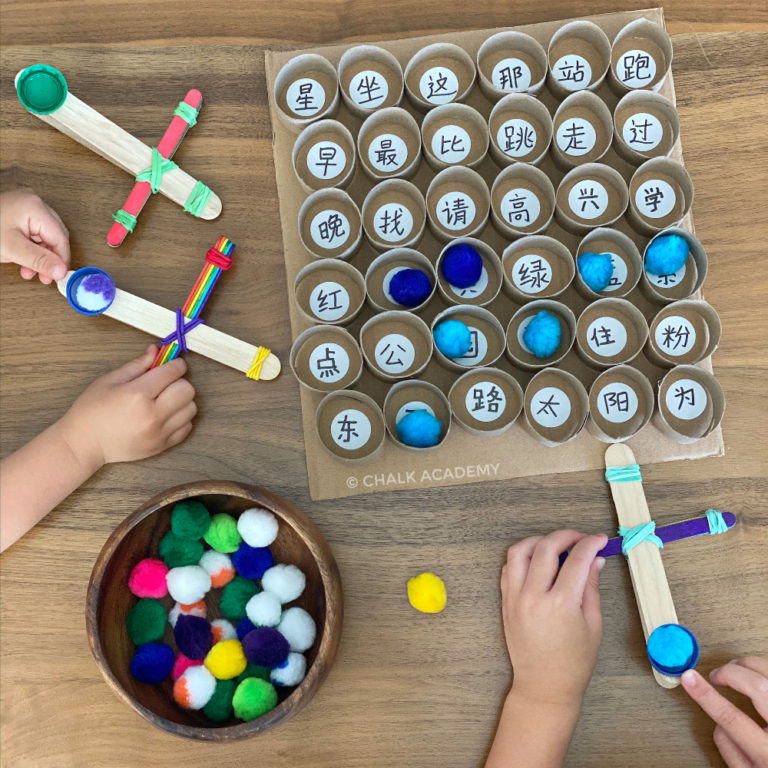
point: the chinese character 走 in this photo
(574, 133)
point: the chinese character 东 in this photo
(326, 154)
(519, 212)
(666, 280)
(326, 366)
(390, 223)
(574, 133)
(601, 336)
(675, 335)
(510, 77)
(368, 86)
(438, 86)
(392, 358)
(574, 72)
(653, 197)
(637, 67)
(533, 276)
(548, 406)
(639, 132)
(684, 396)
(323, 297)
(493, 399)
(451, 144)
(305, 100)
(587, 195)
(385, 155)
(347, 429)
(515, 141)
(455, 212)
(332, 228)
(617, 400)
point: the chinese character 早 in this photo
(326, 154)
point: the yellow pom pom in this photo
(226, 659)
(426, 593)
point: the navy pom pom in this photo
(410, 287)
(244, 626)
(542, 334)
(152, 662)
(193, 636)
(419, 429)
(265, 647)
(461, 265)
(596, 270)
(252, 562)
(666, 254)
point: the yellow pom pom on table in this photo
(426, 593)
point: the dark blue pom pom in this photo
(152, 662)
(410, 287)
(252, 562)
(461, 265)
(244, 626)
(193, 636)
(265, 647)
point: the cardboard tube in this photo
(389, 144)
(383, 269)
(556, 406)
(395, 345)
(394, 215)
(641, 56)
(487, 287)
(350, 426)
(487, 337)
(301, 84)
(516, 350)
(439, 74)
(537, 267)
(626, 259)
(454, 134)
(511, 62)
(330, 225)
(610, 332)
(324, 156)
(520, 130)
(329, 291)
(370, 78)
(646, 125)
(664, 289)
(582, 130)
(458, 202)
(325, 358)
(579, 55)
(486, 401)
(522, 201)
(621, 403)
(660, 195)
(591, 195)
(412, 395)
(683, 333)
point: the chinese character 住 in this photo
(322, 298)
(519, 212)
(653, 197)
(571, 71)
(548, 406)
(574, 133)
(492, 406)
(392, 358)
(684, 396)
(391, 223)
(515, 141)
(332, 228)
(326, 366)
(637, 67)
(326, 154)
(639, 132)
(587, 195)
(601, 336)
(385, 155)
(509, 78)
(305, 100)
(455, 212)
(451, 144)
(677, 335)
(438, 85)
(367, 87)
(533, 276)
(347, 429)
(617, 400)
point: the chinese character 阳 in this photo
(326, 154)
(617, 400)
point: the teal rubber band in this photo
(629, 473)
(198, 199)
(186, 113)
(125, 218)
(716, 522)
(154, 174)
(631, 537)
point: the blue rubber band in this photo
(716, 522)
(629, 473)
(631, 537)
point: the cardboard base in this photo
(464, 457)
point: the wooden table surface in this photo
(407, 689)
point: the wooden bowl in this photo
(108, 601)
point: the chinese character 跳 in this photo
(515, 141)
(332, 228)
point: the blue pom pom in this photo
(596, 270)
(193, 636)
(252, 562)
(265, 647)
(461, 265)
(420, 429)
(666, 254)
(152, 662)
(452, 338)
(542, 334)
(672, 649)
(410, 287)
(245, 625)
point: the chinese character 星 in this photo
(305, 101)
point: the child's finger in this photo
(48, 226)
(173, 398)
(732, 754)
(545, 559)
(755, 663)
(134, 368)
(746, 681)
(36, 257)
(27, 273)
(179, 435)
(183, 416)
(155, 381)
(573, 576)
(519, 560)
(590, 600)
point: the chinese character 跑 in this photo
(455, 212)
(639, 132)
(305, 101)
(385, 155)
(326, 366)
(326, 154)
(438, 86)
(368, 86)
(677, 335)
(509, 77)
(451, 144)
(587, 195)
(533, 275)
(617, 400)
(390, 223)
(653, 197)
(347, 429)
(332, 228)
(637, 67)
(601, 336)
(548, 406)
(574, 133)
(526, 138)
(684, 395)
(571, 71)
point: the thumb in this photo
(135, 368)
(590, 602)
(36, 257)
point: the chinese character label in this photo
(368, 89)
(326, 160)
(329, 229)
(573, 72)
(636, 69)
(686, 399)
(655, 198)
(588, 199)
(511, 75)
(387, 153)
(675, 335)
(329, 301)
(393, 222)
(473, 290)
(485, 401)
(620, 272)
(414, 405)
(455, 211)
(576, 136)
(606, 336)
(520, 207)
(451, 144)
(305, 97)
(643, 132)
(394, 353)
(516, 137)
(550, 407)
(329, 363)
(617, 402)
(478, 349)
(531, 273)
(439, 85)
(350, 429)
(667, 281)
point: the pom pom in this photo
(426, 593)
(235, 596)
(195, 609)
(265, 647)
(188, 584)
(251, 562)
(244, 626)
(264, 609)
(666, 254)
(222, 630)
(410, 287)
(219, 706)
(254, 698)
(298, 628)
(596, 270)
(190, 519)
(452, 338)
(222, 533)
(194, 689)
(176, 551)
(193, 636)
(148, 578)
(182, 664)
(226, 659)
(542, 334)
(146, 621)
(219, 567)
(461, 265)
(253, 670)
(419, 429)
(258, 527)
(285, 581)
(95, 292)
(152, 662)
(291, 671)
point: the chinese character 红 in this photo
(326, 153)
(519, 212)
(653, 197)
(367, 87)
(305, 101)
(493, 399)
(617, 400)
(534, 276)
(587, 195)
(601, 336)
(455, 212)
(677, 335)
(684, 396)
(347, 429)
(332, 228)
(571, 71)
(548, 406)
(637, 67)
(392, 358)
(515, 141)
(385, 155)
(323, 297)
(574, 133)
(639, 130)
(438, 86)
(326, 366)
(390, 223)
(509, 78)
(451, 144)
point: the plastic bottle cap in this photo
(672, 648)
(41, 89)
(77, 278)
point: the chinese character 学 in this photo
(323, 297)
(390, 222)
(637, 66)
(675, 335)
(588, 195)
(332, 228)
(488, 402)
(455, 212)
(509, 77)
(326, 154)
(519, 213)
(639, 131)
(393, 358)
(326, 366)
(515, 141)
(438, 86)
(571, 72)
(385, 155)
(601, 336)
(684, 395)
(616, 400)
(305, 100)
(548, 406)
(653, 198)
(367, 88)
(347, 429)
(574, 133)
(533, 276)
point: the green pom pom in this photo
(253, 698)
(235, 595)
(222, 533)
(190, 519)
(176, 551)
(253, 670)
(145, 622)
(219, 706)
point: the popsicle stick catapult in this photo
(44, 92)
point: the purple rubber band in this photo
(183, 326)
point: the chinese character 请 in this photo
(385, 155)
(516, 141)
(675, 335)
(347, 429)
(509, 78)
(438, 86)
(617, 400)
(326, 154)
(305, 101)
(548, 406)
(367, 87)
(639, 132)
(637, 67)
(587, 195)
(455, 212)
(332, 228)
(390, 223)
(653, 197)
(601, 336)
(533, 276)
(574, 133)
(326, 366)
(322, 298)
(684, 396)
(571, 72)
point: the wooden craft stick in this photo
(649, 580)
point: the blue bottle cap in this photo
(672, 648)
(90, 291)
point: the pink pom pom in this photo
(148, 578)
(182, 664)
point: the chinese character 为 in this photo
(637, 67)
(326, 366)
(451, 144)
(534, 275)
(305, 101)
(332, 228)
(677, 335)
(347, 429)
(492, 406)
(639, 132)
(684, 396)
(601, 336)
(617, 400)
(526, 137)
(548, 406)
(574, 133)
(570, 71)
(653, 197)
(519, 212)
(385, 155)
(391, 358)
(390, 223)
(326, 154)
(510, 77)
(438, 86)
(323, 297)
(368, 86)
(455, 213)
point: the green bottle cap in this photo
(41, 89)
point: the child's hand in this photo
(131, 413)
(33, 236)
(741, 741)
(552, 621)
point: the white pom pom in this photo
(188, 583)
(298, 628)
(196, 609)
(223, 630)
(264, 609)
(286, 581)
(200, 685)
(219, 567)
(291, 671)
(258, 527)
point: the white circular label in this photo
(387, 153)
(576, 136)
(451, 143)
(655, 198)
(520, 207)
(606, 336)
(516, 137)
(550, 407)
(326, 160)
(455, 210)
(675, 335)
(477, 350)
(636, 68)
(686, 399)
(531, 273)
(617, 402)
(588, 199)
(329, 229)
(667, 281)
(305, 97)
(414, 405)
(329, 301)
(642, 132)
(368, 89)
(439, 85)
(473, 290)
(511, 74)
(572, 71)
(350, 429)
(393, 222)
(329, 362)
(485, 401)
(620, 272)
(394, 353)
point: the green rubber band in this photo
(716, 522)
(125, 218)
(198, 199)
(154, 174)
(631, 537)
(187, 113)
(627, 474)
